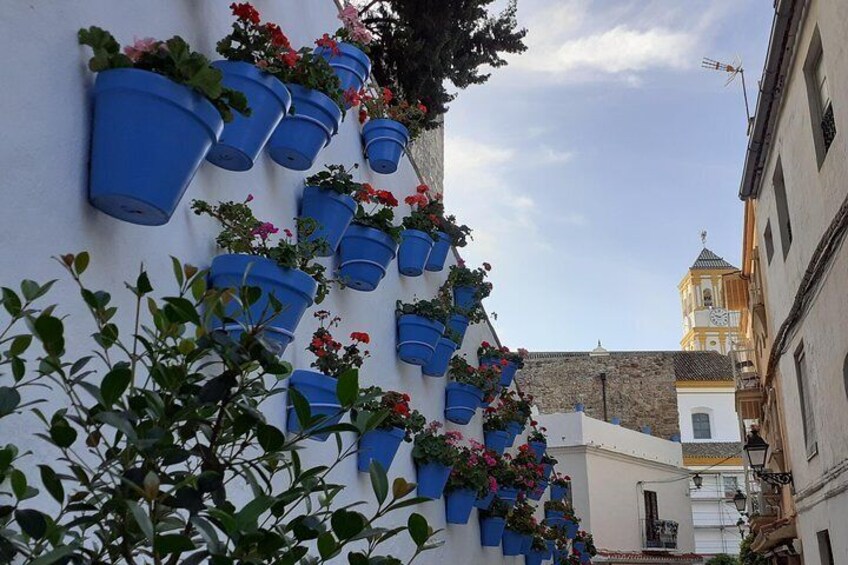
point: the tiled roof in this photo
(702, 366)
(609, 556)
(716, 449)
(709, 260)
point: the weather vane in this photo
(733, 71)
(704, 237)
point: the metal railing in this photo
(744, 360)
(659, 534)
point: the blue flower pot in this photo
(507, 371)
(245, 136)
(585, 558)
(526, 542)
(485, 502)
(438, 364)
(417, 338)
(551, 544)
(579, 546)
(414, 249)
(461, 402)
(512, 542)
(458, 505)
(579, 407)
(320, 391)
(491, 531)
(465, 297)
(149, 137)
(536, 493)
(432, 478)
(554, 522)
(514, 429)
(385, 142)
(558, 492)
(547, 469)
(555, 515)
(301, 135)
(293, 288)
(436, 260)
(538, 448)
(350, 64)
(571, 529)
(535, 557)
(378, 445)
(496, 440)
(333, 213)
(508, 495)
(364, 255)
(459, 324)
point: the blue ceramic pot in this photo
(579, 546)
(508, 495)
(432, 478)
(291, 287)
(245, 136)
(149, 137)
(571, 529)
(554, 515)
(364, 255)
(514, 429)
(436, 260)
(534, 557)
(301, 135)
(538, 448)
(539, 491)
(414, 249)
(459, 324)
(438, 364)
(379, 445)
(385, 142)
(579, 407)
(417, 338)
(585, 558)
(350, 64)
(558, 492)
(485, 502)
(491, 531)
(332, 212)
(547, 469)
(496, 440)
(526, 542)
(512, 543)
(320, 391)
(551, 544)
(458, 505)
(465, 297)
(461, 402)
(508, 370)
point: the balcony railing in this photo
(659, 534)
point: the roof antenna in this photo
(704, 237)
(733, 71)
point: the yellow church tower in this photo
(707, 324)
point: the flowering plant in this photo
(484, 378)
(528, 473)
(493, 420)
(460, 275)
(560, 480)
(521, 518)
(562, 506)
(498, 509)
(470, 471)
(242, 233)
(458, 233)
(588, 540)
(385, 105)
(172, 59)
(540, 535)
(430, 446)
(264, 45)
(538, 434)
(315, 73)
(398, 412)
(419, 219)
(434, 309)
(515, 406)
(336, 178)
(489, 351)
(381, 216)
(353, 31)
(331, 358)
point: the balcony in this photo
(749, 392)
(659, 535)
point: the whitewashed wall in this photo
(45, 93)
(718, 402)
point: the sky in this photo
(590, 164)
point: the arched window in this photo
(708, 297)
(701, 425)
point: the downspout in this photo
(603, 377)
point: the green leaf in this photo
(347, 387)
(270, 437)
(54, 556)
(419, 529)
(178, 271)
(142, 284)
(379, 481)
(32, 522)
(400, 487)
(247, 517)
(30, 290)
(20, 345)
(180, 310)
(9, 400)
(141, 518)
(301, 407)
(62, 434)
(117, 421)
(52, 483)
(115, 383)
(346, 524)
(81, 262)
(19, 483)
(326, 545)
(11, 302)
(51, 332)
(172, 543)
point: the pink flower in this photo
(288, 232)
(140, 47)
(493, 484)
(264, 229)
(361, 35)
(249, 198)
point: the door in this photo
(652, 536)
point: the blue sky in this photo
(589, 165)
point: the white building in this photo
(625, 484)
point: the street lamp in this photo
(698, 480)
(740, 501)
(756, 451)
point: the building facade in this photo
(707, 323)
(793, 367)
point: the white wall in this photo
(44, 154)
(716, 401)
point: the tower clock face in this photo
(719, 317)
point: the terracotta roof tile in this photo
(712, 449)
(702, 366)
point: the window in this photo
(806, 400)
(731, 485)
(769, 241)
(701, 425)
(784, 223)
(818, 93)
(708, 298)
(825, 548)
(652, 535)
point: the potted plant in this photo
(507, 478)
(469, 289)
(538, 550)
(253, 54)
(158, 108)
(286, 272)
(560, 485)
(465, 390)
(434, 454)
(447, 346)
(571, 524)
(450, 233)
(346, 51)
(332, 361)
(494, 430)
(329, 199)
(515, 407)
(583, 546)
(420, 325)
(556, 511)
(520, 525)
(492, 522)
(489, 460)
(417, 238)
(537, 440)
(400, 423)
(548, 463)
(468, 481)
(390, 124)
(528, 472)
(317, 111)
(370, 242)
(508, 361)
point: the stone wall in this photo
(640, 387)
(428, 158)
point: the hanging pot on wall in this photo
(350, 64)
(461, 402)
(508, 495)
(458, 505)
(459, 325)
(149, 137)
(417, 338)
(364, 255)
(558, 492)
(438, 364)
(378, 445)
(432, 478)
(538, 491)
(496, 440)
(538, 448)
(554, 518)
(485, 502)
(514, 429)
(415, 247)
(491, 530)
(332, 212)
(465, 297)
(535, 556)
(320, 391)
(439, 254)
(571, 529)
(245, 136)
(293, 288)
(512, 542)
(385, 143)
(301, 135)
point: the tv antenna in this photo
(732, 70)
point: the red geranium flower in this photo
(245, 11)
(327, 42)
(361, 337)
(422, 188)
